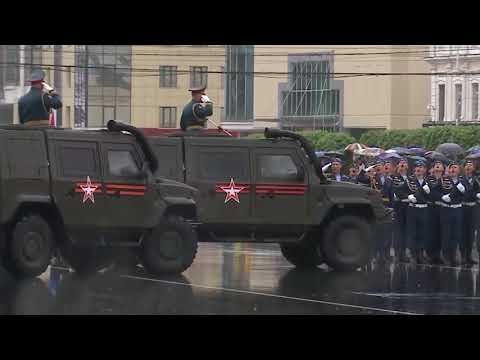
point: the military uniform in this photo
(400, 206)
(338, 177)
(469, 205)
(434, 244)
(417, 217)
(451, 215)
(194, 114)
(35, 106)
(384, 232)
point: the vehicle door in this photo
(281, 186)
(220, 170)
(77, 182)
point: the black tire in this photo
(347, 243)
(170, 248)
(30, 247)
(305, 255)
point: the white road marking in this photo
(271, 295)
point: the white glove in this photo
(395, 197)
(325, 167)
(446, 198)
(370, 168)
(47, 87)
(412, 198)
(478, 196)
(426, 189)
(461, 188)
(205, 98)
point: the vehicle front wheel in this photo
(303, 255)
(347, 243)
(30, 247)
(170, 248)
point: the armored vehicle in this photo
(85, 193)
(273, 190)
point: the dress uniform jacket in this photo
(195, 114)
(36, 105)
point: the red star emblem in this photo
(88, 190)
(232, 191)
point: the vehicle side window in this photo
(219, 165)
(78, 161)
(121, 163)
(277, 168)
(26, 158)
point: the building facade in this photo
(296, 93)
(454, 83)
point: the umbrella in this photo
(387, 155)
(418, 151)
(355, 146)
(450, 150)
(371, 152)
(335, 154)
(435, 155)
(402, 151)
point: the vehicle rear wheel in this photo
(170, 248)
(347, 243)
(302, 255)
(30, 247)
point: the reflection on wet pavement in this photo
(246, 279)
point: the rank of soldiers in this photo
(435, 208)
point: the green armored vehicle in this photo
(273, 190)
(86, 192)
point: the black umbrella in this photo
(435, 155)
(450, 150)
(418, 151)
(403, 151)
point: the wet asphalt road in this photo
(251, 279)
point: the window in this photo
(78, 161)
(122, 163)
(27, 167)
(67, 116)
(12, 75)
(198, 76)
(277, 168)
(168, 76)
(168, 117)
(222, 114)
(221, 165)
(458, 101)
(222, 77)
(68, 75)
(475, 101)
(441, 102)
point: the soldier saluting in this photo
(469, 205)
(194, 114)
(452, 190)
(35, 106)
(400, 205)
(417, 213)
